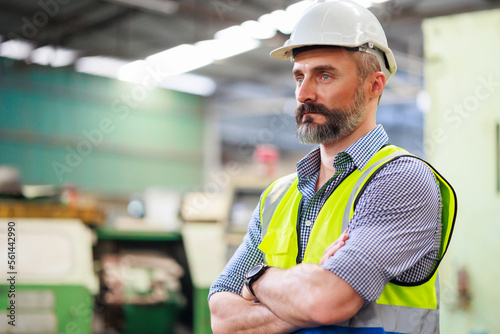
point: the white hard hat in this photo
(340, 23)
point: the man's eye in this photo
(300, 80)
(325, 77)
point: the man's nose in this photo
(306, 91)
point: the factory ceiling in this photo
(248, 83)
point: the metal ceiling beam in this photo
(67, 30)
(78, 13)
(15, 10)
(165, 8)
(477, 6)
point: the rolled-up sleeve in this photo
(395, 230)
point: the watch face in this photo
(254, 270)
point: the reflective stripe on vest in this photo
(401, 308)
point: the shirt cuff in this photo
(225, 284)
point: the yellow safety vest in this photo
(402, 308)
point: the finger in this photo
(323, 259)
(335, 245)
(334, 249)
(330, 251)
(332, 246)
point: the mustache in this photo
(306, 108)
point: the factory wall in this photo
(107, 136)
(462, 140)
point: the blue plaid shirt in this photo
(394, 233)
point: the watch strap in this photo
(250, 280)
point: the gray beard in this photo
(339, 124)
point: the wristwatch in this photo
(254, 274)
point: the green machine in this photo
(52, 282)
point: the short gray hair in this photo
(366, 63)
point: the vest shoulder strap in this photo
(272, 197)
(366, 176)
(448, 211)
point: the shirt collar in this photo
(358, 153)
(365, 148)
(309, 165)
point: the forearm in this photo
(307, 295)
(230, 313)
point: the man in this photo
(396, 211)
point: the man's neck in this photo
(330, 151)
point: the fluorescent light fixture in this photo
(229, 42)
(298, 8)
(64, 57)
(177, 60)
(274, 19)
(133, 72)
(225, 48)
(56, 57)
(212, 48)
(43, 55)
(98, 65)
(190, 83)
(16, 49)
(259, 30)
(231, 33)
(279, 20)
(137, 71)
(379, 1)
(285, 22)
(270, 18)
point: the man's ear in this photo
(377, 83)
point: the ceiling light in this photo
(225, 48)
(16, 49)
(379, 1)
(56, 57)
(102, 66)
(298, 8)
(292, 15)
(137, 71)
(229, 42)
(64, 57)
(277, 19)
(43, 55)
(177, 60)
(231, 33)
(259, 30)
(190, 83)
(133, 72)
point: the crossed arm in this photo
(321, 299)
(400, 209)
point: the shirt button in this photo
(308, 223)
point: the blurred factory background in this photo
(137, 135)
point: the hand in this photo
(334, 247)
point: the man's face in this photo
(331, 101)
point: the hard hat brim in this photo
(286, 52)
